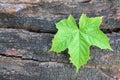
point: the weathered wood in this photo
(25, 55)
(17, 69)
(33, 17)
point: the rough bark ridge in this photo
(27, 28)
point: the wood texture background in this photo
(27, 28)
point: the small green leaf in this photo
(79, 39)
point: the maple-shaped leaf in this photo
(79, 39)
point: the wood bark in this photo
(27, 28)
(25, 54)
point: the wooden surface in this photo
(27, 28)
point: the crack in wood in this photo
(31, 59)
(116, 30)
(91, 66)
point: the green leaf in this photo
(79, 39)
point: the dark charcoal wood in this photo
(25, 56)
(33, 17)
(17, 69)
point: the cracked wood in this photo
(24, 54)
(33, 17)
(18, 42)
(35, 61)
